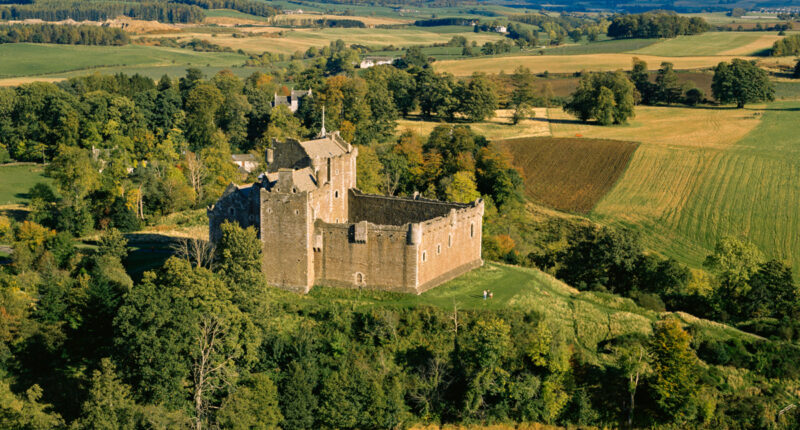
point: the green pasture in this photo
(17, 179)
(28, 59)
(712, 43)
(600, 47)
(683, 199)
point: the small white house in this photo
(368, 62)
(500, 29)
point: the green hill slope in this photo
(584, 318)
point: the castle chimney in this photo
(270, 156)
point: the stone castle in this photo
(316, 227)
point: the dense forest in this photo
(650, 25)
(63, 34)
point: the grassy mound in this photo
(585, 318)
(569, 174)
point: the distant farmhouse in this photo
(247, 163)
(368, 62)
(292, 101)
(317, 228)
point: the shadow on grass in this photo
(148, 251)
(16, 214)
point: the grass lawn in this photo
(585, 318)
(684, 195)
(713, 43)
(17, 179)
(31, 59)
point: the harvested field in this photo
(499, 127)
(576, 63)
(705, 127)
(569, 174)
(289, 41)
(367, 20)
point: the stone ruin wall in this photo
(365, 255)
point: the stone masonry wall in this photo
(286, 230)
(376, 257)
(330, 201)
(240, 206)
(450, 246)
(386, 210)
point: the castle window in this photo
(329, 170)
(449, 240)
(230, 211)
(438, 249)
(296, 212)
(424, 256)
(359, 278)
(336, 194)
(472, 230)
(269, 210)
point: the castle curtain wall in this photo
(387, 210)
(450, 246)
(378, 257)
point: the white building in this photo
(368, 62)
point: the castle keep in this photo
(317, 228)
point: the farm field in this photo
(17, 179)
(669, 126)
(576, 63)
(569, 174)
(303, 38)
(713, 43)
(585, 318)
(44, 59)
(499, 127)
(683, 194)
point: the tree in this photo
(674, 369)
(669, 89)
(521, 112)
(26, 412)
(462, 188)
(633, 360)
(179, 329)
(369, 167)
(641, 79)
(796, 72)
(202, 103)
(109, 405)
(693, 96)
(604, 107)
(253, 405)
(741, 82)
(612, 105)
(772, 293)
(478, 98)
